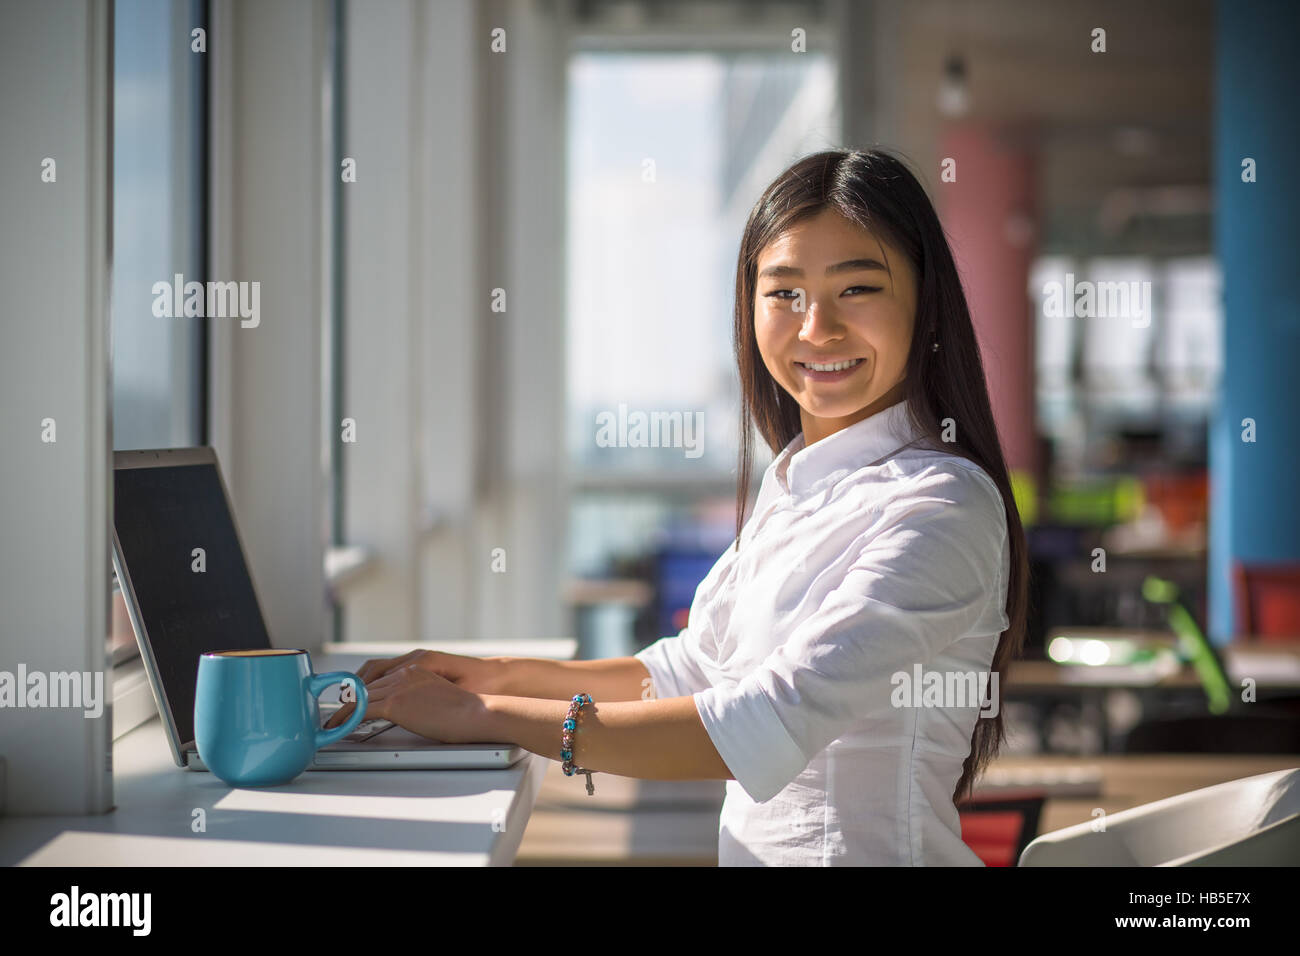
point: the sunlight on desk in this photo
(471, 808)
(78, 848)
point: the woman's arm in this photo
(612, 679)
(620, 678)
(650, 739)
(453, 698)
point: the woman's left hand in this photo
(420, 701)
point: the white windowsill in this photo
(133, 701)
(344, 565)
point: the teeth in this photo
(833, 367)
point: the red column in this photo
(990, 217)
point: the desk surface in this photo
(371, 818)
(375, 818)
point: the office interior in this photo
(482, 229)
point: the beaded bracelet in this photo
(566, 740)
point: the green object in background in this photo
(1130, 498)
(1193, 643)
(1100, 501)
(1025, 492)
(1159, 591)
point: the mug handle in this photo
(318, 683)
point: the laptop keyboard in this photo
(368, 728)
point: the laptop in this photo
(168, 502)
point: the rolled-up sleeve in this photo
(911, 589)
(673, 663)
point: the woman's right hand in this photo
(478, 675)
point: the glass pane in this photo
(667, 155)
(1054, 345)
(159, 122)
(1191, 354)
(1113, 301)
(158, 119)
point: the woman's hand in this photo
(419, 700)
(475, 674)
(471, 675)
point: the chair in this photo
(999, 827)
(1254, 821)
(1268, 599)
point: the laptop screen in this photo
(191, 582)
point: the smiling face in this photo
(842, 359)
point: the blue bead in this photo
(566, 754)
(569, 724)
(577, 698)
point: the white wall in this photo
(268, 63)
(459, 410)
(525, 504)
(383, 213)
(56, 497)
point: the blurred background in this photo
(491, 235)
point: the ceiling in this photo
(1123, 138)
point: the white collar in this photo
(800, 470)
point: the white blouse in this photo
(871, 559)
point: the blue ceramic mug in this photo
(256, 717)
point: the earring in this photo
(935, 346)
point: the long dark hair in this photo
(877, 191)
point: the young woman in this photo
(881, 571)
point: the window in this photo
(1192, 357)
(159, 138)
(668, 152)
(1127, 343)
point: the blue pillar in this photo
(1255, 487)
